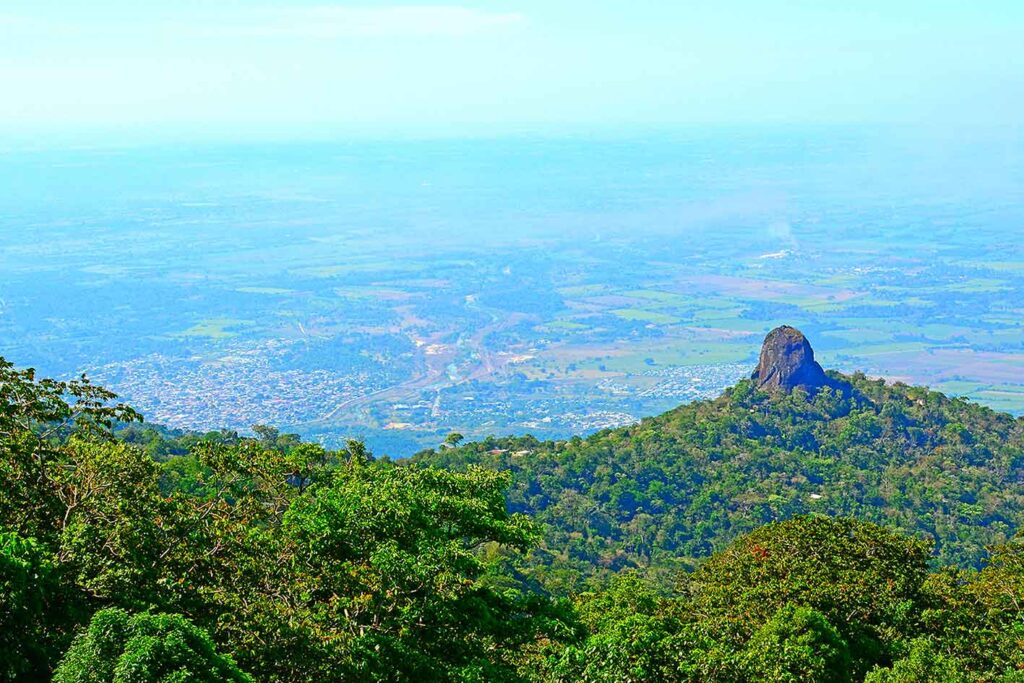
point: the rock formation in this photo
(787, 361)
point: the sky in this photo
(226, 66)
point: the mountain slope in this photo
(674, 488)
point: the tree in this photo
(1001, 583)
(109, 534)
(999, 593)
(923, 664)
(797, 645)
(635, 637)
(36, 418)
(628, 636)
(389, 562)
(864, 580)
(271, 437)
(118, 647)
(37, 615)
(224, 560)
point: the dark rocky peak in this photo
(787, 361)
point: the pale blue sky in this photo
(226, 65)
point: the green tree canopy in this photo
(118, 647)
(864, 580)
(390, 558)
(923, 664)
(797, 645)
(36, 612)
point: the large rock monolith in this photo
(787, 361)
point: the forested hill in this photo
(137, 554)
(660, 494)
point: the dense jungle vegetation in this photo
(660, 495)
(850, 536)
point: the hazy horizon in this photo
(296, 70)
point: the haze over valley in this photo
(553, 285)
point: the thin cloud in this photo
(341, 22)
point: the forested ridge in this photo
(848, 535)
(672, 489)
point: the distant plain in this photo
(397, 291)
